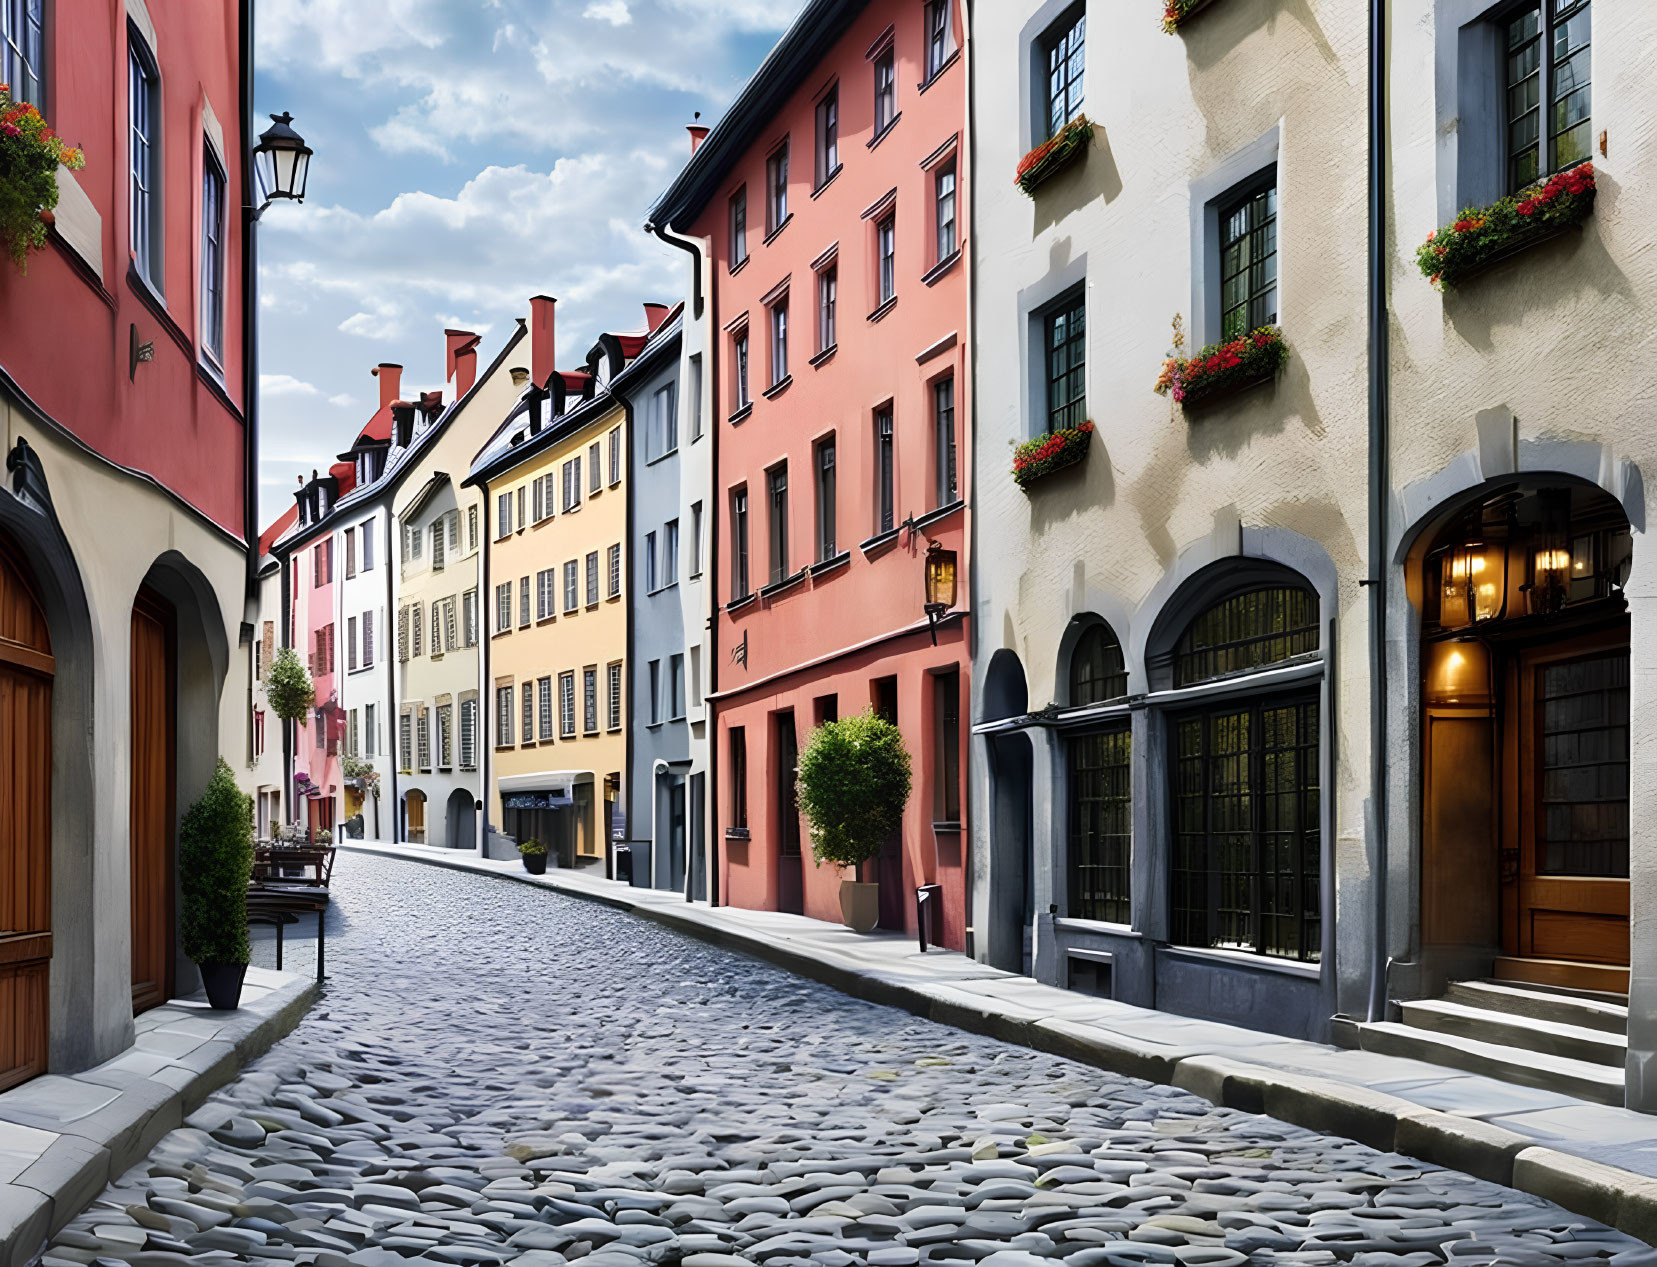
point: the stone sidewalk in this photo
(1590, 1158)
(63, 1138)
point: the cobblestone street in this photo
(497, 1074)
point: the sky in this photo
(469, 154)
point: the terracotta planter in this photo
(48, 217)
(223, 984)
(859, 905)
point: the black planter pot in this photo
(535, 863)
(223, 983)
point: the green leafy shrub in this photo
(532, 847)
(854, 783)
(30, 155)
(215, 861)
(288, 686)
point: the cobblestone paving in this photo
(500, 1075)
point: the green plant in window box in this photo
(1480, 236)
(1175, 12)
(1053, 154)
(1052, 452)
(30, 155)
(1220, 368)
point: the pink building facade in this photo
(829, 202)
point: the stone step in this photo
(1561, 972)
(1526, 1033)
(1580, 1078)
(1587, 1011)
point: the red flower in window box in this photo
(1052, 452)
(1221, 368)
(1053, 154)
(1482, 236)
(30, 154)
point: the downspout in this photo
(250, 316)
(967, 807)
(486, 690)
(391, 657)
(284, 801)
(710, 373)
(626, 789)
(1379, 493)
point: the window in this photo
(23, 50)
(946, 485)
(1097, 670)
(670, 553)
(212, 255)
(439, 540)
(649, 563)
(368, 639)
(453, 520)
(695, 540)
(946, 711)
(695, 402)
(503, 512)
(739, 777)
(468, 734)
(595, 472)
(1247, 631)
(776, 488)
(437, 628)
(469, 611)
(527, 712)
(503, 716)
(350, 553)
(739, 544)
(676, 687)
(779, 341)
(937, 36)
(566, 705)
(546, 593)
(661, 435)
(776, 190)
(825, 500)
(614, 570)
(538, 499)
(366, 535)
(1547, 77)
(371, 730)
(1065, 49)
(352, 733)
(523, 601)
(416, 628)
(423, 738)
(405, 742)
(572, 484)
(544, 689)
(886, 252)
(828, 287)
(445, 736)
(943, 199)
(615, 695)
(503, 607)
(589, 699)
(1066, 345)
(402, 635)
(572, 586)
(615, 455)
(739, 353)
(592, 579)
(414, 542)
(523, 507)
(739, 228)
(450, 641)
(655, 670)
(886, 92)
(143, 129)
(1248, 262)
(322, 563)
(1101, 816)
(828, 136)
(884, 506)
(471, 529)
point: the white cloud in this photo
(344, 400)
(615, 12)
(285, 385)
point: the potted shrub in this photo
(215, 862)
(1051, 452)
(1482, 236)
(288, 686)
(30, 155)
(1221, 369)
(1053, 154)
(854, 782)
(534, 854)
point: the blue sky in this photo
(469, 154)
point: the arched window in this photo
(1247, 631)
(1097, 670)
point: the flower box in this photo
(1176, 12)
(1054, 154)
(1052, 452)
(1223, 369)
(1482, 237)
(30, 154)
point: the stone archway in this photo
(460, 820)
(1011, 763)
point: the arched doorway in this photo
(1525, 763)
(151, 797)
(26, 672)
(462, 820)
(414, 817)
(1011, 763)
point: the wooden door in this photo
(26, 668)
(1572, 801)
(416, 802)
(151, 805)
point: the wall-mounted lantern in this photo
(1473, 575)
(940, 585)
(1551, 563)
(282, 161)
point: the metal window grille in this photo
(445, 736)
(402, 635)
(405, 743)
(415, 628)
(450, 640)
(1098, 671)
(1583, 818)
(1248, 263)
(1066, 61)
(1101, 832)
(528, 710)
(544, 689)
(439, 538)
(615, 695)
(589, 699)
(1067, 365)
(437, 628)
(468, 734)
(423, 737)
(1247, 631)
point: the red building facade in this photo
(830, 202)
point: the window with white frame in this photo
(523, 601)
(592, 579)
(468, 734)
(528, 732)
(503, 716)
(503, 515)
(544, 688)
(828, 294)
(1063, 49)
(695, 540)
(589, 699)
(572, 586)
(595, 471)
(405, 743)
(943, 200)
(886, 240)
(566, 705)
(614, 569)
(416, 628)
(445, 736)
(615, 456)
(614, 674)
(423, 740)
(779, 341)
(212, 253)
(571, 472)
(546, 593)
(670, 553)
(503, 607)
(739, 359)
(469, 609)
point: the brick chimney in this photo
(698, 134)
(654, 315)
(462, 353)
(542, 349)
(390, 375)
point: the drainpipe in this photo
(486, 688)
(390, 660)
(968, 809)
(1379, 493)
(250, 316)
(285, 799)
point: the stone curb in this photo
(92, 1151)
(1619, 1198)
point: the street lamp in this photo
(282, 160)
(940, 585)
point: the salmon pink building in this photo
(827, 204)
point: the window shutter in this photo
(437, 628)
(351, 642)
(454, 531)
(368, 639)
(330, 632)
(539, 501)
(414, 629)
(402, 635)
(437, 546)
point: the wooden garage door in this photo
(25, 824)
(151, 823)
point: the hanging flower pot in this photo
(30, 154)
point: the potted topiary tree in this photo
(534, 854)
(215, 861)
(288, 686)
(854, 783)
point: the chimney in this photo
(390, 375)
(431, 404)
(654, 315)
(541, 346)
(463, 359)
(402, 416)
(698, 134)
(520, 375)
